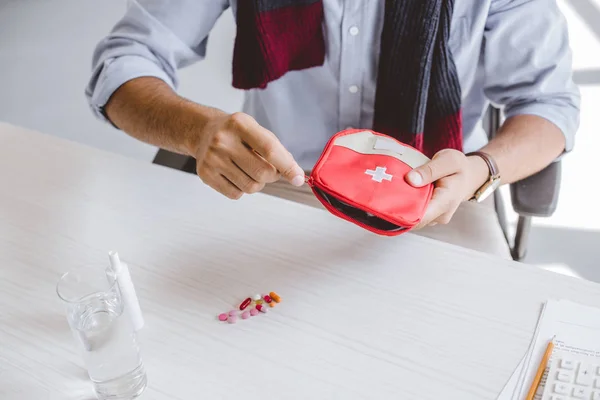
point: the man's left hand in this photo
(456, 177)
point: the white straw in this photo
(115, 262)
(130, 299)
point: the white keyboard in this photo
(572, 377)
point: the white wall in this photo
(45, 61)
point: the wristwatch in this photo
(493, 181)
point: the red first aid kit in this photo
(360, 177)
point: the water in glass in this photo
(100, 322)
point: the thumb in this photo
(442, 164)
(294, 173)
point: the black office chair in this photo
(535, 196)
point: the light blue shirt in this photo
(513, 53)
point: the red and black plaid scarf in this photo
(418, 96)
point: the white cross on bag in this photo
(379, 174)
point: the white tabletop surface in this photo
(362, 317)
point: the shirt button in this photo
(353, 89)
(354, 30)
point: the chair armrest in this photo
(537, 195)
(176, 161)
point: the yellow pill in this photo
(275, 297)
(272, 304)
(259, 301)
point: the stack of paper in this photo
(572, 326)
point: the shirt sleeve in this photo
(527, 63)
(154, 38)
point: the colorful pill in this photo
(254, 312)
(268, 298)
(245, 315)
(232, 319)
(259, 301)
(272, 304)
(223, 317)
(256, 297)
(261, 308)
(275, 297)
(233, 312)
(245, 303)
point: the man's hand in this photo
(455, 177)
(235, 155)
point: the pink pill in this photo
(233, 312)
(245, 315)
(232, 319)
(254, 312)
(223, 317)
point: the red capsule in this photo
(245, 303)
(268, 298)
(262, 308)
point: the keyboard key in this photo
(596, 396)
(561, 388)
(597, 383)
(558, 398)
(598, 371)
(565, 363)
(584, 375)
(564, 376)
(580, 393)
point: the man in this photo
(421, 71)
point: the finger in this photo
(446, 217)
(240, 179)
(268, 146)
(253, 165)
(438, 205)
(443, 163)
(224, 186)
(212, 177)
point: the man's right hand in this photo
(235, 155)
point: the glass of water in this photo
(105, 333)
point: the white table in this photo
(362, 316)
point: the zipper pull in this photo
(308, 180)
